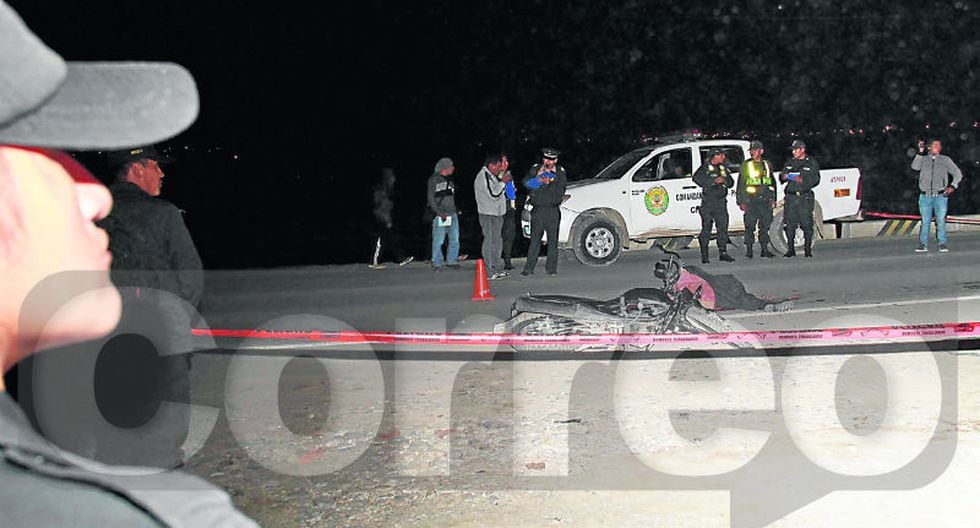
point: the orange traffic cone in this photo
(481, 287)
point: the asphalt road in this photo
(867, 273)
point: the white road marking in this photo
(856, 306)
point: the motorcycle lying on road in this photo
(637, 311)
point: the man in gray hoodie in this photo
(491, 203)
(938, 178)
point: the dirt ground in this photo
(553, 444)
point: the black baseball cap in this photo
(47, 102)
(714, 151)
(797, 143)
(756, 144)
(125, 156)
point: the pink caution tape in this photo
(857, 335)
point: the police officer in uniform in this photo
(801, 174)
(756, 196)
(715, 180)
(546, 183)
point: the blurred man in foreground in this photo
(54, 264)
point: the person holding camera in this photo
(938, 178)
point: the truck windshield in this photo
(619, 167)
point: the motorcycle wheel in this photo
(704, 321)
(545, 325)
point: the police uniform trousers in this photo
(715, 213)
(758, 213)
(798, 212)
(544, 219)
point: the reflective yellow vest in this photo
(758, 173)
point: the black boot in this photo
(725, 257)
(704, 255)
(808, 247)
(507, 264)
(748, 251)
(790, 253)
(765, 253)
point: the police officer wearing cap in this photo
(801, 174)
(153, 256)
(545, 183)
(756, 197)
(715, 180)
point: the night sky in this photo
(303, 103)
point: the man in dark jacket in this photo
(801, 173)
(715, 180)
(147, 233)
(546, 182)
(157, 269)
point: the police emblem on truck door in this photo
(657, 200)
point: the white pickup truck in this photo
(648, 195)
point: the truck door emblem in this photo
(657, 200)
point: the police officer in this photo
(546, 183)
(801, 174)
(715, 180)
(756, 196)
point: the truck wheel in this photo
(777, 235)
(597, 242)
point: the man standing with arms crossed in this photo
(755, 197)
(715, 180)
(935, 187)
(801, 173)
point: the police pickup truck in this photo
(647, 195)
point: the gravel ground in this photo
(485, 460)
